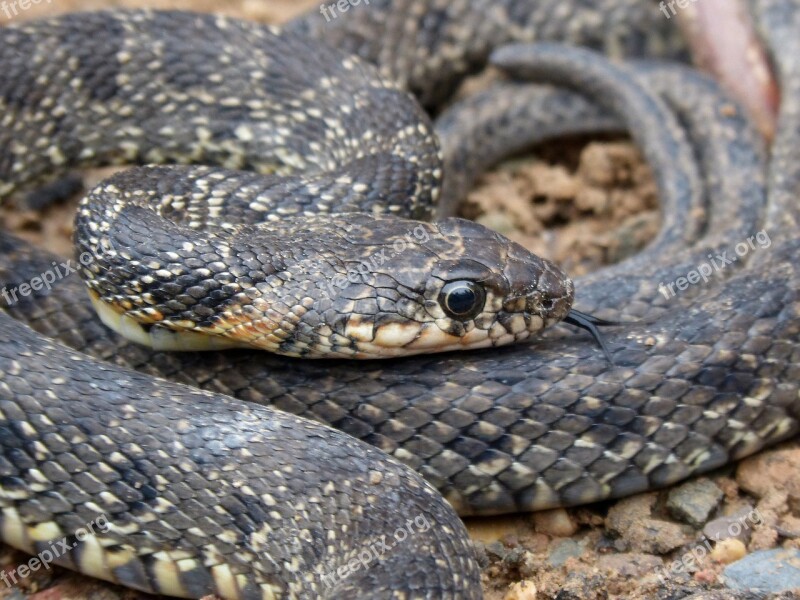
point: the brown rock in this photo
(631, 518)
(770, 471)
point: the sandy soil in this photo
(583, 203)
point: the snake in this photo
(252, 474)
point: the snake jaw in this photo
(156, 336)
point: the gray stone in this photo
(496, 551)
(775, 570)
(739, 525)
(693, 502)
(563, 550)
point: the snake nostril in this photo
(548, 304)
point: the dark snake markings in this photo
(205, 493)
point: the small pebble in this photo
(556, 523)
(496, 551)
(522, 590)
(728, 551)
(515, 557)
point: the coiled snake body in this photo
(204, 493)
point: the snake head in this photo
(347, 285)
(450, 285)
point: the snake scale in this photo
(204, 493)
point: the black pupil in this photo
(461, 300)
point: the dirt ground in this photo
(584, 204)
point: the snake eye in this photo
(462, 299)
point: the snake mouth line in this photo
(389, 341)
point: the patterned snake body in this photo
(208, 494)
